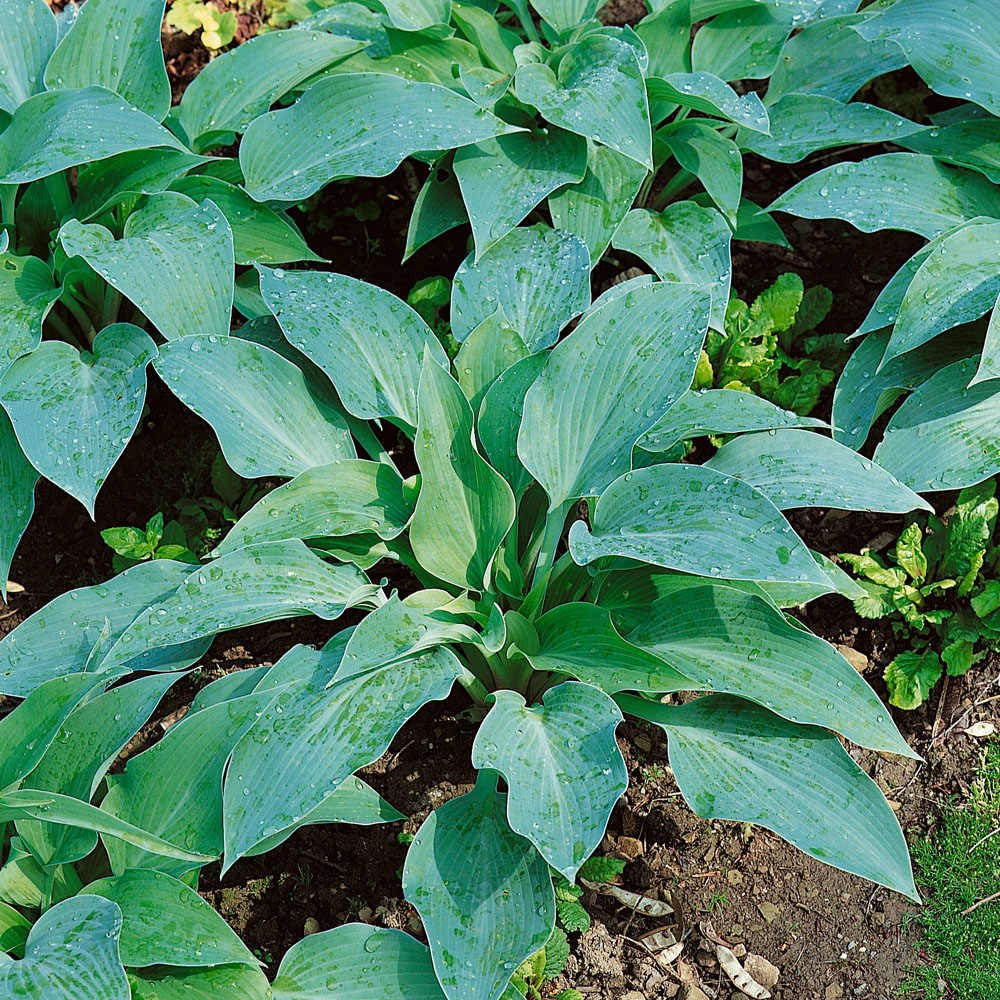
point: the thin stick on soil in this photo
(982, 840)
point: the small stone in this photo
(691, 993)
(854, 657)
(311, 926)
(734, 877)
(833, 991)
(762, 970)
(365, 914)
(643, 742)
(632, 995)
(739, 950)
(768, 911)
(630, 847)
(669, 990)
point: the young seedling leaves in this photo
(71, 953)
(74, 412)
(356, 124)
(484, 893)
(707, 93)
(115, 44)
(19, 477)
(696, 520)
(562, 765)
(367, 341)
(911, 675)
(27, 41)
(166, 922)
(224, 982)
(735, 760)
(268, 421)
(628, 361)
(465, 508)
(799, 468)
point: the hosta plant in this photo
(541, 570)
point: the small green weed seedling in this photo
(217, 27)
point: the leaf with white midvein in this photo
(799, 468)
(630, 358)
(685, 243)
(74, 412)
(27, 41)
(735, 760)
(368, 342)
(731, 641)
(175, 262)
(17, 479)
(261, 407)
(562, 766)
(538, 277)
(710, 95)
(906, 191)
(697, 520)
(356, 124)
(484, 893)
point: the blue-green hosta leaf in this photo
(356, 124)
(58, 129)
(367, 341)
(710, 95)
(713, 159)
(492, 348)
(115, 44)
(18, 478)
(974, 144)
(829, 58)
(599, 93)
(944, 436)
(564, 15)
(607, 383)
(71, 953)
(538, 277)
(176, 265)
(359, 961)
(734, 760)
(503, 179)
(223, 982)
(416, 15)
(27, 41)
(952, 45)
(314, 737)
(261, 407)
(344, 498)
(74, 412)
(167, 922)
(743, 43)
(465, 508)
(685, 243)
(737, 643)
(719, 411)
(580, 640)
(260, 234)
(259, 583)
(233, 89)
(697, 520)
(906, 191)
(799, 468)
(13, 930)
(59, 638)
(804, 123)
(562, 766)
(483, 893)
(594, 208)
(27, 293)
(438, 208)
(174, 789)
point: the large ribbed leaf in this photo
(599, 93)
(175, 262)
(492, 348)
(356, 124)
(685, 243)
(261, 407)
(345, 498)
(224, 982)
(798, 468)
(696, 520)
(564, 15)
(944, 436)
(416, 15)
(974, 143)
(27, 293)
(465, 508)
(357, 961)
(709, 94)
(438, 208)
(27, 41)
(607, 383)
(52, 131)
(233, 89)
(594, 208)
(483, 893)
(734, 760)
(503, 179)
(74, 412)
(367, 341)
(115, 44)
(714, 159)
(731, 641)
(742, 43)
(71, 953)
(60, 637)
(952, 45)
(17, 478)
(563, 768)
(538, 277)
(894, 191)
